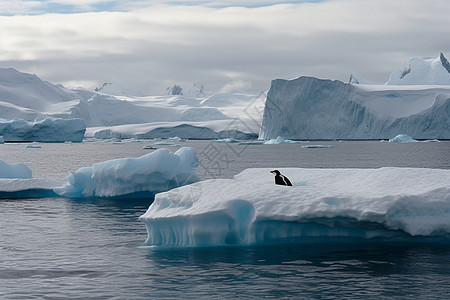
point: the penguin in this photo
(280, 179)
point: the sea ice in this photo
(358, 204)
(402, 138)
(19, 188)
(16, 182)
(145, 176)
(279, 140)
(17, 170)
(228, 140)
(317, 146)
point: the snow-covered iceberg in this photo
(19, 188)
(16, 182)
(140, 177)
(43, 130)
(322, 204)
(278, 141)
(402, 138)
(310, 108)
(17, 170)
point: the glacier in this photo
(312, 108)
(140, 177)
(394, 204)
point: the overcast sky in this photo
(225, 45)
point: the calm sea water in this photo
(55, 248)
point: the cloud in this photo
(161, 45)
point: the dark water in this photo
(55, 248)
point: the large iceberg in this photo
(140, 177)
(43, 130)
(312, 108)
(323, 204)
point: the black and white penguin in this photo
(280, 179)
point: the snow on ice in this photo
(140, 177)
(278, 141)
(356, 204)
(17, 170)
(43, 130)
(417, 104)
(16, 182)
(25, 97)
(402, 138)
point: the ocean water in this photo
(56, 248)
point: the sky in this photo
(149, 45)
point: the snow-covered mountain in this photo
(312, 108)
(24, 97)
(423, 71)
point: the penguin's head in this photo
(275, 172)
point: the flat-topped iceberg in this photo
(16, 182)
(20, 188)
(43, 130)
(322, 204)
(310, 108)
(140, 177)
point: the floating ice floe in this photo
(228, 140)
(33, 146)
(19, 188)
(17, 170)
(402, 138)
(279, 140)
(323, 204)
(140, 177)
(252, 143)
(16, 182)
(317, 146)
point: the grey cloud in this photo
(157, 47)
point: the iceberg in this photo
(395, 204)
(17, 170)
(43, 130)
(228, 140)
(279, 140)
(309, 108)
(16, 182)
(20, 188)
(402, 138)
(140, 177)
